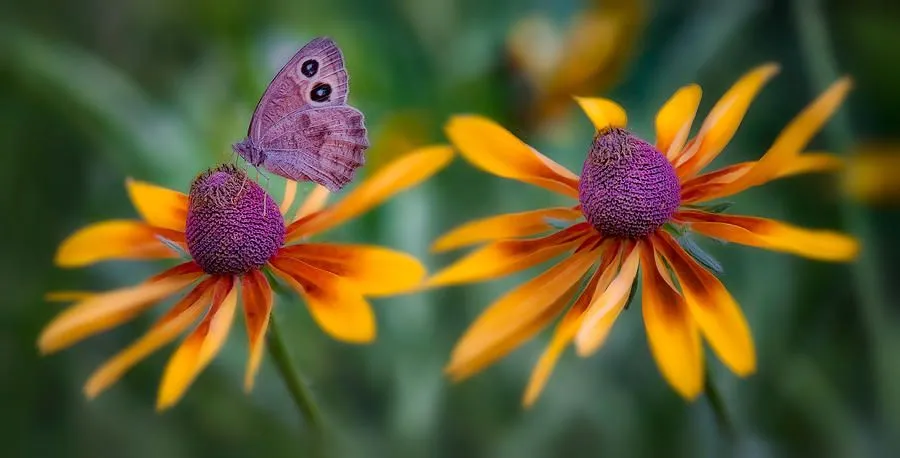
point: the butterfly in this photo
(302, 128)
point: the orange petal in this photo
(570, 322)
(773, 235)
(257, 295)
(397, 176)
(507, 226)
(290, 192)
(158, 206)
(671, 330)
(375, 271)
(605, 307)
(314, 202)
(183, 314)
(199, 348)
(674, 120)
(507, 256)
(115, 239)
(723, 121)
(715, 311)
(603, 113)
(490, 147)
(106, 310)
(517, 316)
(335, 303)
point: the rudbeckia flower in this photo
(632, 196)
(232, 231)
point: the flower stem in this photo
(300, 393)
(717, 404)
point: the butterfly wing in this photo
(324, 145)
(315, 77)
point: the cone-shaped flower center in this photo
(233, 225)
(628, 188)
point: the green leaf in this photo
(675, 230)
(687, 242)
(718, 207)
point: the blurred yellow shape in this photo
(872, 174)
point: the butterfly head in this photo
(251, 153)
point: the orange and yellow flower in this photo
(232, 236)
(632, 196)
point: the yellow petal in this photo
(160, 207)
(290, 192)
(603, 113)
(257, 296)
(115, 239)
(507, 256)
(774, 235)
(723, 121)
(712, 307)
(674, 120)
(517, 316)
(375, 271)
(507, 226)
(490, 147)
(106, 310)
(397, 176)
(599, 316)
(181, 316)
(671, 330)
(335, 303)
(314, 202)
(198, 349)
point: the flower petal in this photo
(506, 226)
(315, 201)
(257, 296)
(106, 310)
(490, 147)
(517, 316)
(397, 176)
(199, 348)
(601, 313)
(603, 113)
(671, 331)
(114, 239)
(335, 303)
(290, 192)
(715, 311)
(674, 120)
(158, 206)
(183, 314)
(773, 235)
(375, 271)
(507, 256)
(723, 120)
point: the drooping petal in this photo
(375, 271)
(290, 192)
(507, 256)
(115, 239)
(773, 235)
(335, 303)
(493, 149)
(314, 202)
(674, 120)
(715, 311)
(570, 322)
(506, 226)
(158, 206)
(517, 316)
(257, 297)
(603, 113)
(181, 316)
(106, 310)
(671, 330)
(607, 304)
(393, 178)
(199, 348)
(723, 120)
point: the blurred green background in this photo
(95, 91)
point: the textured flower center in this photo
(233, 225)
(628, 188)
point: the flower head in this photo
(635, 200)
(232, 231)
